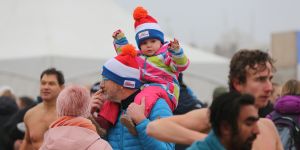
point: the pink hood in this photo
(72, 137)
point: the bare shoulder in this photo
(268, 134)
(267, 126)
(267, 122)
(31, 113)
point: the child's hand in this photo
(119, 40)
(174, 45)
(117, 35)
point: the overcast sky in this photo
(204, 21)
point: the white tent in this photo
(75, 37)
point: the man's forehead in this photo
(249, 112)
(260, 69)
(49, 77)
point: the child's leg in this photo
(152, 94)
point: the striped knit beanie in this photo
(146, 27)
(124, 69)
(74, 101)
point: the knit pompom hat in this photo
(73, 100)
(146, 27)
(124, 69)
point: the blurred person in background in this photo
(187, 99)
(8, 107)
(219, 91)
(276, 92)
(286, 115)
(25, 101)
(14, 128)
(94, 88)
(38, 118)
(8, 92)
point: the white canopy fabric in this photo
(75, 37)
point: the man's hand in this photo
(97, 101)
(136, 112)
(174, 45)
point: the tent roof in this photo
(75, 37)
(78, 29)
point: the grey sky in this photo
(203, 21)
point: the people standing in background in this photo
(286, 115)
(38, 118)
(219, 91)
(188, 101)
(276, 92)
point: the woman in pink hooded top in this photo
(72, 130)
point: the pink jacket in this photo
(71, 138)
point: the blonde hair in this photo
(291, 87)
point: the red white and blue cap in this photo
(124, 69)
(146, 27)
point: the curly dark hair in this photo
(226, 109)
(244, 59)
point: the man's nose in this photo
(268, 86)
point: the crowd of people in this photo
(142, 102)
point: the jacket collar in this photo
(125, 102)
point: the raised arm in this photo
(182, 129)
(119, 40)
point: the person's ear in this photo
(238, 86)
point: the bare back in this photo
(37, 121)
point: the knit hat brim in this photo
(149, 34)
(113, 70)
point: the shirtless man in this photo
(250, 72)
(38, 118)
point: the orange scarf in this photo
(73, 121)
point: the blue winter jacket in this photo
(120, 138)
